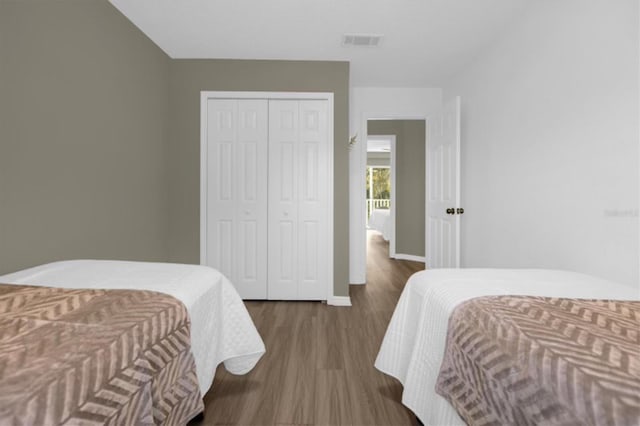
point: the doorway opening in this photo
(378, 192)
(395, 188)
(379, 189)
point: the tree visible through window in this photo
(381, 183)
(378, 188)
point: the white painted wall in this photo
(369, 103)
(550, 142)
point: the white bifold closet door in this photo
(267, 196)
(297, 200)
(237, 138)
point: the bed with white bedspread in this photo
(221, 328)
(380, 221)
(414, 344)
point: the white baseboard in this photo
(339, 301)
(411, 257)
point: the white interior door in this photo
(237, 193)
(298, 196)
(443, 188)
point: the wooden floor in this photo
(318, 368)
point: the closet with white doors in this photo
(266, 192)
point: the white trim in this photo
(339, 301)
(426, 193)
(323, 96)
(330, 197)
(327, 96)
(411, 257)
(359, 221)
(458, 176)
(392, 208)
(204, 177)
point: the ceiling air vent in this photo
(362, 40)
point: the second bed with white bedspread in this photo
(414, 344)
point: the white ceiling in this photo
(424, 40)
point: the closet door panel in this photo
(224, 246)
(237, 193)
(221, 137)
(250, 254)
(312, 200)
(283, 199)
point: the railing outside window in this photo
(376, 204)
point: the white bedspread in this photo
(380, 220)
(414, 343)
(221, 328)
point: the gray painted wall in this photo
(100, 136)
(188, 78)
(410, 181)
(83, 107)
(378, 159)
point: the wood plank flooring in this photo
(318, 368)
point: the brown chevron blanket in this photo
(516, 360)
(116, 357)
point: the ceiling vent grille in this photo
(362, 40)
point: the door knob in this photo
(451, 210)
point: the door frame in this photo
(205, 95)
(360, 201)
